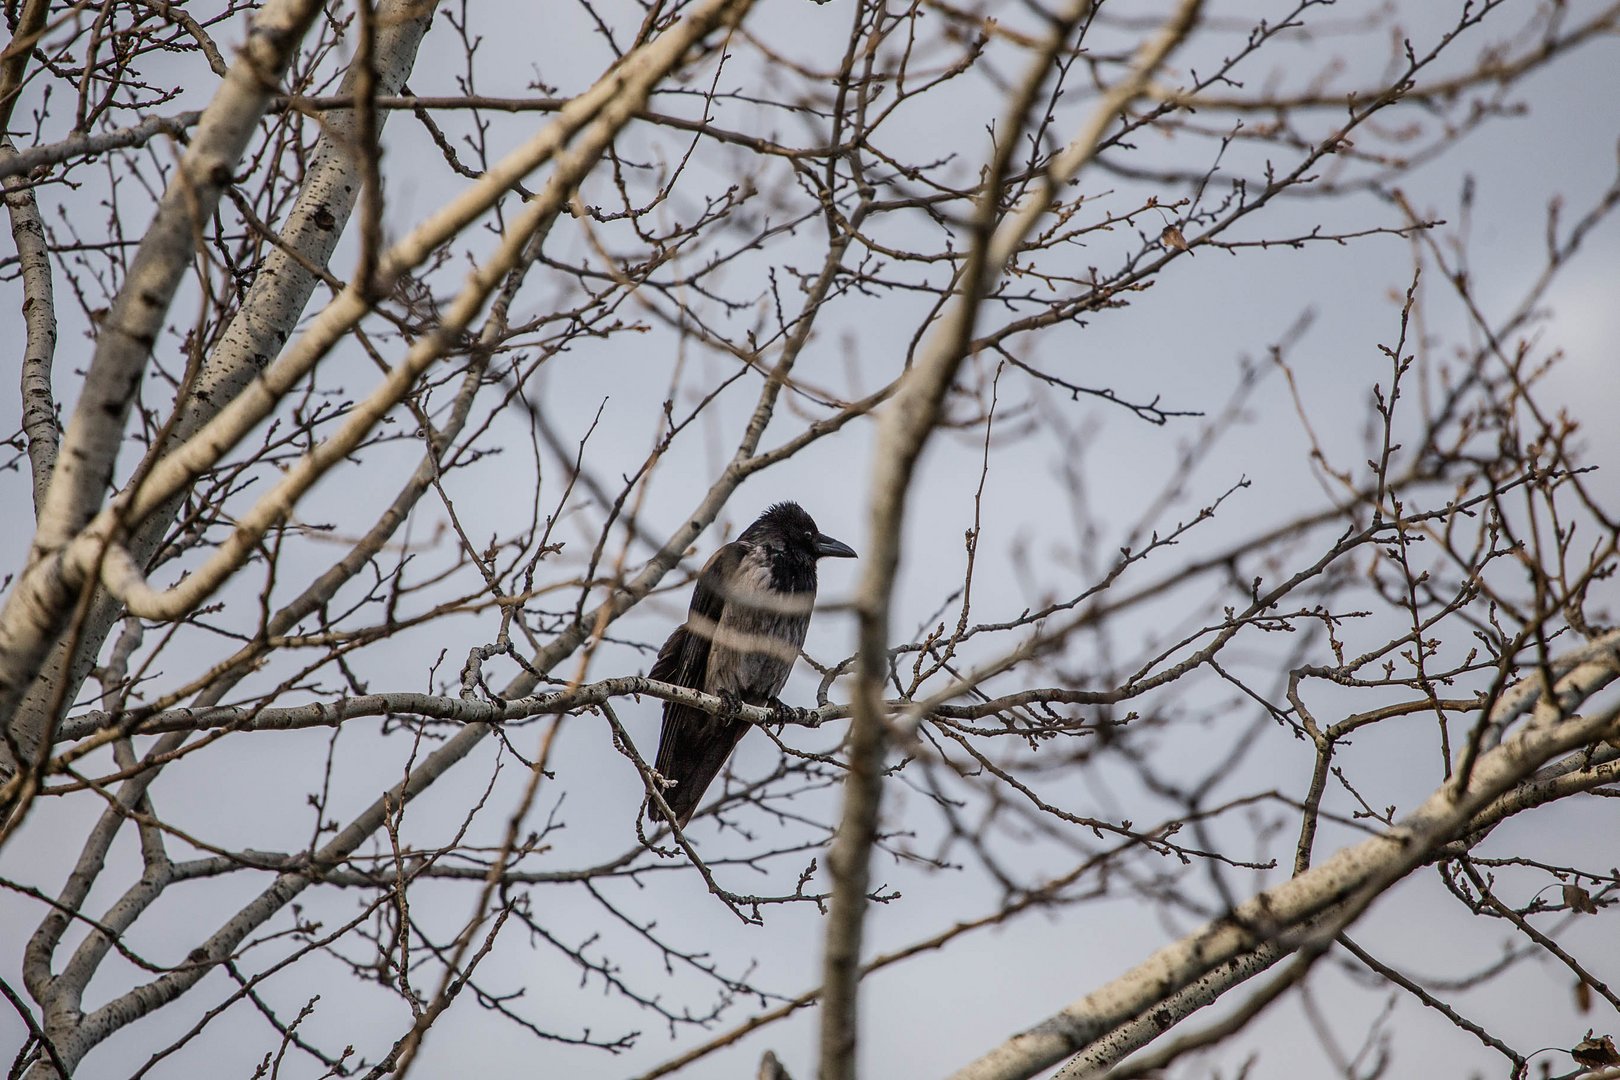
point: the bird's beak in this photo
(827, 547)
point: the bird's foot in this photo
(730, 706)
(783, 713)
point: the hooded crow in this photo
(749, 614)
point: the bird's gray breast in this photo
(759, 634)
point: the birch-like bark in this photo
(620, 96)
(130, 328)
(1355, 876)
(170, 476)
(276, 300)
(39, 323)
(629, 80)
(1106, 1051)
(1583, 771)
(902, 433)
(43, 600)
(632, 81)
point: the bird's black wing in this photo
(693, 745)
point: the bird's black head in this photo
(788, 532)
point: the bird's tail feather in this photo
(692, 750)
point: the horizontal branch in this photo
(468, 710)
(462, 710)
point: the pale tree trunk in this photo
(599, 116)
(276, 300)
(1306, 913)
(904, 432)
(42, 603)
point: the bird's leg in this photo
(730, 706)
(783, 713)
